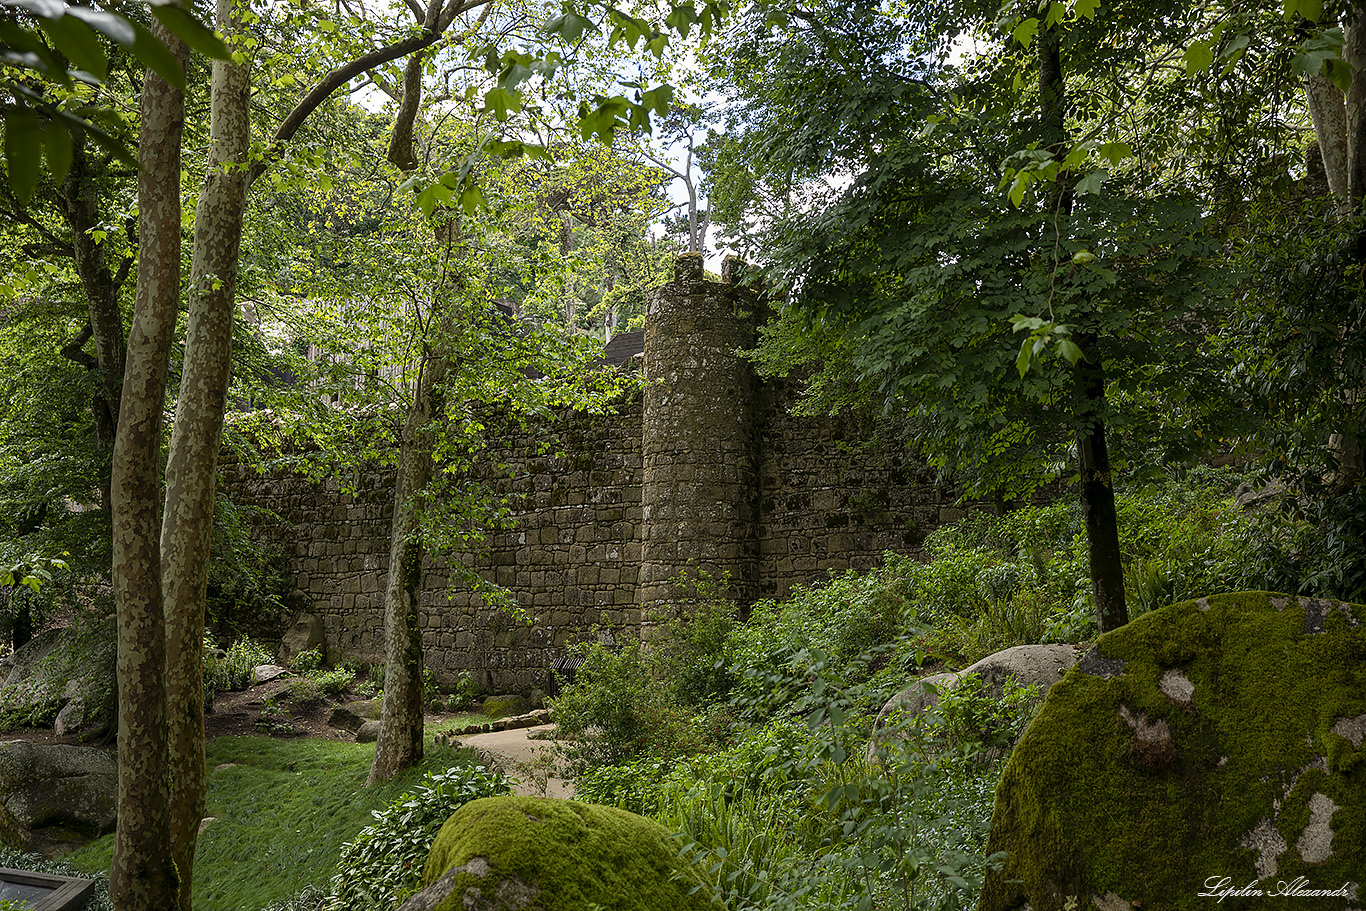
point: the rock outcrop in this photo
(1027, 665)
(523, 853)
(55, 796)
(64, 676)
(1203, 747)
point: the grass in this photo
(283, 809)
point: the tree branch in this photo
(72, 350)
(344, 74)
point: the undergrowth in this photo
(282, 812)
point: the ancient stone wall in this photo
(705, 471)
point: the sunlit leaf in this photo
(23, 151)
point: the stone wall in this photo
(705, 471)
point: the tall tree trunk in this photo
(143, 875)
(80, 204)
(192, 465)
(401, 726)
(1098, 494)
(401, 729)
(1089, 409)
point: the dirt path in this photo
(531, 762)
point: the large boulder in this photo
(533, 854)
(307, 632)
(55, 796)
(1027, 665)
(1212, 745)
(65, 675)
(350, 716)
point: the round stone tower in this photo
(700, 491)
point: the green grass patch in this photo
(284, 809)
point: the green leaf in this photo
(570, 26)
(1022, 360)
(1339, 72)
(513, 75)
(75, 39)
(682, 19)
(1308, 9)
(1090, 185)
(472, 199)
(190, 30)
(1199, 57)
(57, 144)
(1069, 350)
(500, 101)
(1115, 152)
(23, 151)
(1026, 31)
(1086, 9)
(156, 57)
(1056, 13)
(115, 28)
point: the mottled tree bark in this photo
(192, 464)
(143, 875)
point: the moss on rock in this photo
(554, 855)
(502, 706)
(1210, 739)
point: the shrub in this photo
(308, 661)
(800, 817)
(334, 683)
(231, 670)
(384, 863)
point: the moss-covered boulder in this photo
(1212, 745)
(69, 669)
(532, 854)
(502, 706)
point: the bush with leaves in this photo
(384, 864)
(618, 709)
(798, 815)
(231, 668)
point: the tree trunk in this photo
(80, 204)
(143, 875)
(192, 465)
(1328, 110)
(1098, 494)
(1093, 455)
(401, 725)
(401, 729)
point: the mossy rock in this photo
(57, 667)
(533, 854)
(1218, 738)
(502, 706)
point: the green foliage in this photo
(618, 710)
(332, 684)
(383, 865)
(308, 661)
(283, 811)
(796, 814)
(231, 668)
